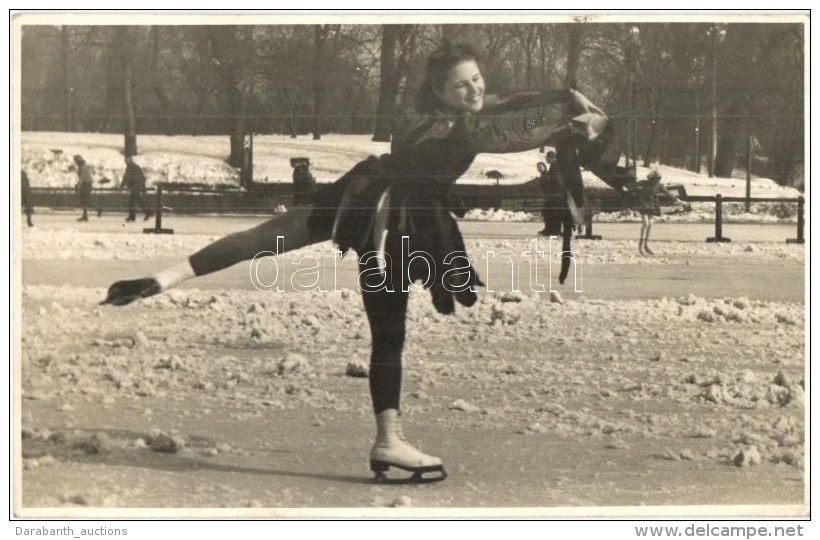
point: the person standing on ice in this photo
(304, 183)
(25, 195)
(647, 198)
(134, 181)
(84, 185)
(398, 203)
(556, 212)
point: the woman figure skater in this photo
(383, 204)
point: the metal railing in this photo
(536, 203)
(720, 199)
(285, 190)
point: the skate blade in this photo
(381, 467)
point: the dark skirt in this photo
(422, 242)
(647, 206)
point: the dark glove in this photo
(125, 292)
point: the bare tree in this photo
(321, 33)
(66, 61)
(393, 71)
(527, 37)
(574, 37)
(751, 47)
(387, 85)
(156, 80)
(127, 41)
(229, 60)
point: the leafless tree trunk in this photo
(527, 35)
(320, 35)
(732, 127)
(654, 119)
(66, 48)
(239, 102)
(573, 55)
(224, 47)
(394, 70)
(156, 82)
(387, 83)
(127, 43)
(203, 48)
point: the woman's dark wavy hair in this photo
(439, 64)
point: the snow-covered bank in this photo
(201, 160)
(697, 212)
(67, 244)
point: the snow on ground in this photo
(537, 404)
(697, 212)
(65, 244)
(228, 398)
(189, 159)
(701, 184)
(47, 157)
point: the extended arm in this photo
(502, 103)
(520, 122)
(504, 134)
(528, 99)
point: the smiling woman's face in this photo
(463, 90)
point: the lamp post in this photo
(717, 33)
(632, 125)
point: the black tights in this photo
(385, 310)
(386, 313)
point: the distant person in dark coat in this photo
(555, 212)
(84, 185)
(26, 196)
(134, 181)
(304, 183)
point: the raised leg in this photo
(245, 245)
(225, 252)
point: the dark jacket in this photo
(25, 191)
(85, 182)
(133, 179)
(647, 197)
(412, 188)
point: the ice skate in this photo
(391, 450)
(125, 292)
(403, 456)
(640, 246)
(647, 250)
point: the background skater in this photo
(134, 181)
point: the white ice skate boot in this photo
(391, 450)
